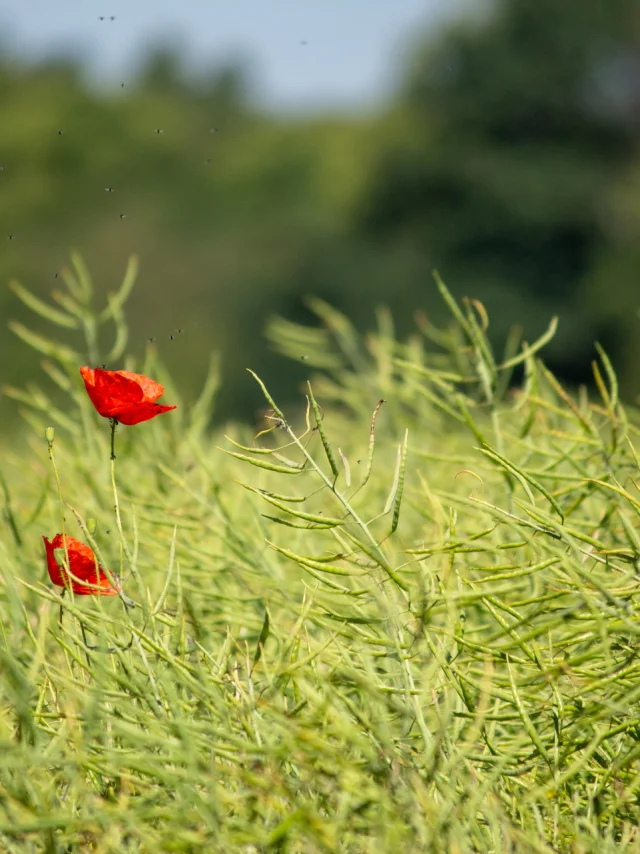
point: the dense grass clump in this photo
(402, 618)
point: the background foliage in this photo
(404, 617)
(380, 626)
(508, 158)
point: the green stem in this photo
(378, 554)
(62, 520)
(114, 424)
(383, 562)
(116, 504)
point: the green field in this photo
(399, 627)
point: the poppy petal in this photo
(55, 573)
(151, 390)
(83, 566)
(117, 390)
(110, 392)
(142, 412)
(117, 394)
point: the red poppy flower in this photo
(83, 565)
(129, 398)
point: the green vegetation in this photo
(507, 157)
(407, 625)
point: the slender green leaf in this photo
(40, 307)
(323, 436)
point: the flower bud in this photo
(49, 434)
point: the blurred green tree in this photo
(518, 180)
(224, 204)
(509, 159)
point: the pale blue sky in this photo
(351, 46)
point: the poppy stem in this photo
(49, 437)
(64, 590)
(114, 424)
(124, 548)
(87, 645)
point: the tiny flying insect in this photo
(159, 130)
(123, 216)
(151, 340)
(11, 236)
(60, 132)
(108, 189)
